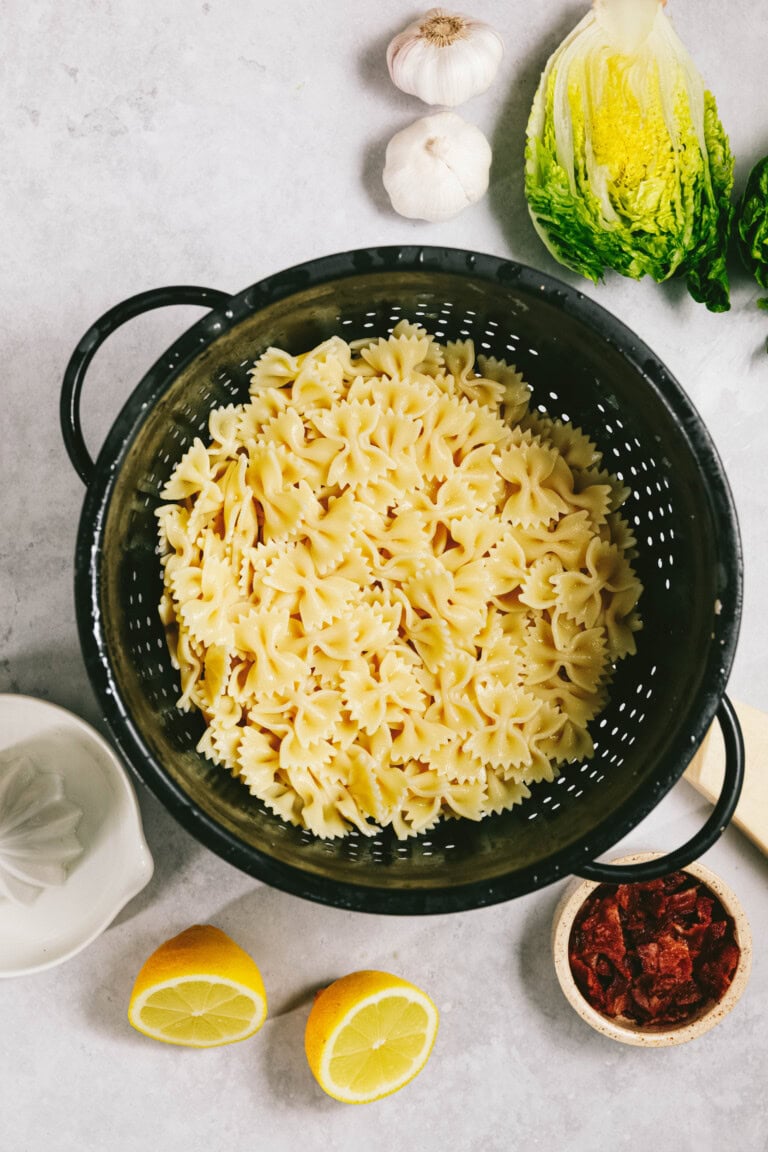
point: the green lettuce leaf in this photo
(707, 277)
(751, 225)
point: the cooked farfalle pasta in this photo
(393, 592)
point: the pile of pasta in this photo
(394, 592)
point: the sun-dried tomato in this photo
(718, 969)
(704, 906)
(681, 903)
(655, 952)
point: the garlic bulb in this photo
(436, 166)
(445, 58)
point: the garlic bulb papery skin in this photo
(37, 831)
(445, 58)
(436, 167)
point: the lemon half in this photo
(368, 1035)
(199, 989)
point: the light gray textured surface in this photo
(215, 143)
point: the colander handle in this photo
(72, 386)
(706, 837)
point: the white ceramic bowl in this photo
(627, 1031)
(115, 863)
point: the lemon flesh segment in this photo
(199, 1012)
(378, 1047)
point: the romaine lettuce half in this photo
(627, 164)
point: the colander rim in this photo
(417, 899)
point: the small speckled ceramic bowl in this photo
(627, 1031)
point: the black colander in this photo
(584, 366)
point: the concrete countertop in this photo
(215, 143)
